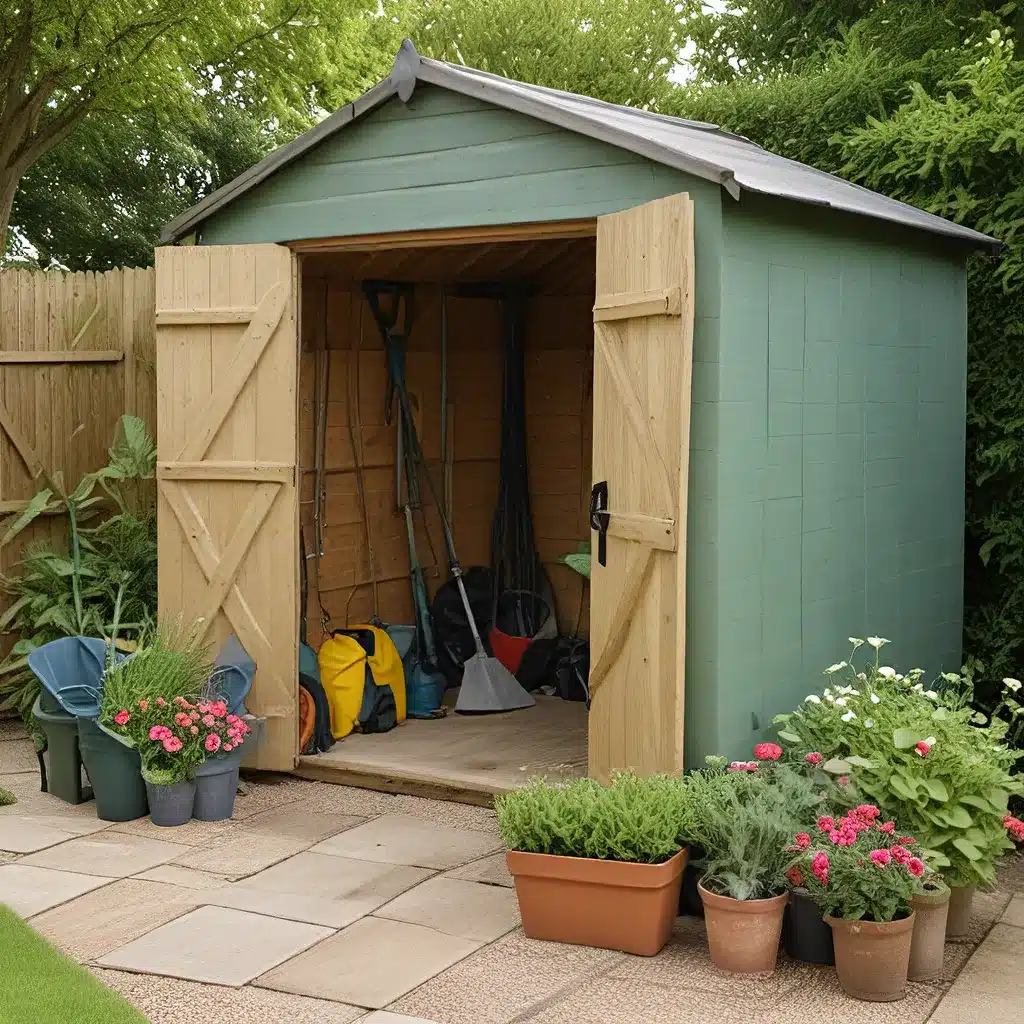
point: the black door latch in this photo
(599, 519)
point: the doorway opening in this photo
(356, 549)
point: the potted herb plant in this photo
(863, 876)
(147, 704)
(924, 756)
(599, 865)
(743, 815)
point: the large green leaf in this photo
(37, 505)
(904, 739)
(788, 737)
(860, 762)
(902, 788)
(998, 798)
(936, 789)
(837, 766)
(968, 849)
(958, 817)
(976, 801)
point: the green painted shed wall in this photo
(827, 427)
(836, 461)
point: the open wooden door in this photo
(227, 353)
(643, 341)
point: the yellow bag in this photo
(344, 661)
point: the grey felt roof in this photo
(691, 146)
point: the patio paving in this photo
(332, 905)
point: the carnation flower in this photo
(1015, 827)
(915, 866)
(900, 853)
(825, 823)
(767, 752)
(212, 742)
(121, 718)
(802, 840)
(889, 827)
(843, 780)
(143, 705)
(906, 840)
(881, 857)
(796, 876)
(922, 748)
(820, 866)
(160, 702)
(869, 811)
(814, 758)
(182, 719)
(171, 744)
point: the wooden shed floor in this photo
(462, 757)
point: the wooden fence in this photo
(76, 351)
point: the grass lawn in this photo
(39, 985)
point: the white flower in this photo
(841, 702)
(830, 698)
(918, 688)
(1012, 684)
(813, 698)
(849, 716)
(861, 675)
(978, 718)
(930, 740)
(886, 672)
(835, 668)
(899, 678)
(854, 693)
(916, 673)
(855, 641)
(932, 694)
(869, 723)
(875, 699)
(877, 642)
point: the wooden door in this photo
(227, 354)
(643, 341)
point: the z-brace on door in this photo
(643, 342)
(227, 355)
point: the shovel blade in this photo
(488, 686)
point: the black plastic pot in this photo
(805, 935)
(64, 778)
(690, 903)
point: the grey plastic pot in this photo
(216, 786)
(115, 771)
(171, 805)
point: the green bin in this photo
(64, 768)
(115, 771)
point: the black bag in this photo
(452, 634)
(563, 663)
(321, 740)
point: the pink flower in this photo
(160, 702)
(231, 719)
(180, 701)
(868, 811)
(738, 766)
(751, 766)
(814, 758)
(212, 742)
(802, 840)
(194, 729)
(1015, 827)
(209, 721)
(121, 718)
(143, 705)
(922, 748)
(843, 780)
(767, 751)
(795, 875)
(820, 866)
(825, 823)
(194, 716)
(906, 840)
(172, 744)
(182, 719)
(900, 854)
(227, 746)
(889, 827)
(915, 866)
(159, 732)
(881, 857)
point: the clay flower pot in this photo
(743, 935)
(805, 935)
(872, 957)
(929, 941)
(605, 903)
(959, 920)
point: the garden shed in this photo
(762, 365)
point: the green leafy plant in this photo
(7, 797)
(743, 816)
(857, 867)
(579, 560)
(630, 819)
(924, 756)
(103, 582)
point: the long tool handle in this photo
(457, 573)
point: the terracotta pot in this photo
(959, 920)
(872, 957)
(805, 936)
(605, 903)
(743, 934)
(929, 941)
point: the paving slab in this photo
(371, 963)
(111, 854)
(173, 1001)
(215, 945)
(387, 1017)
(1014, 913)
(319, 889)
(30, 890)
(492, 870)
(241, 853)
(399, 839)
(187, 878)
(78, 819)
(457, 907)
(107, 918)
(192, 833)
(990, 987)
(25, 835)
(302, 822)
(507, 980)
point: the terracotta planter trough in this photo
(872, 957)
(603, 903)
